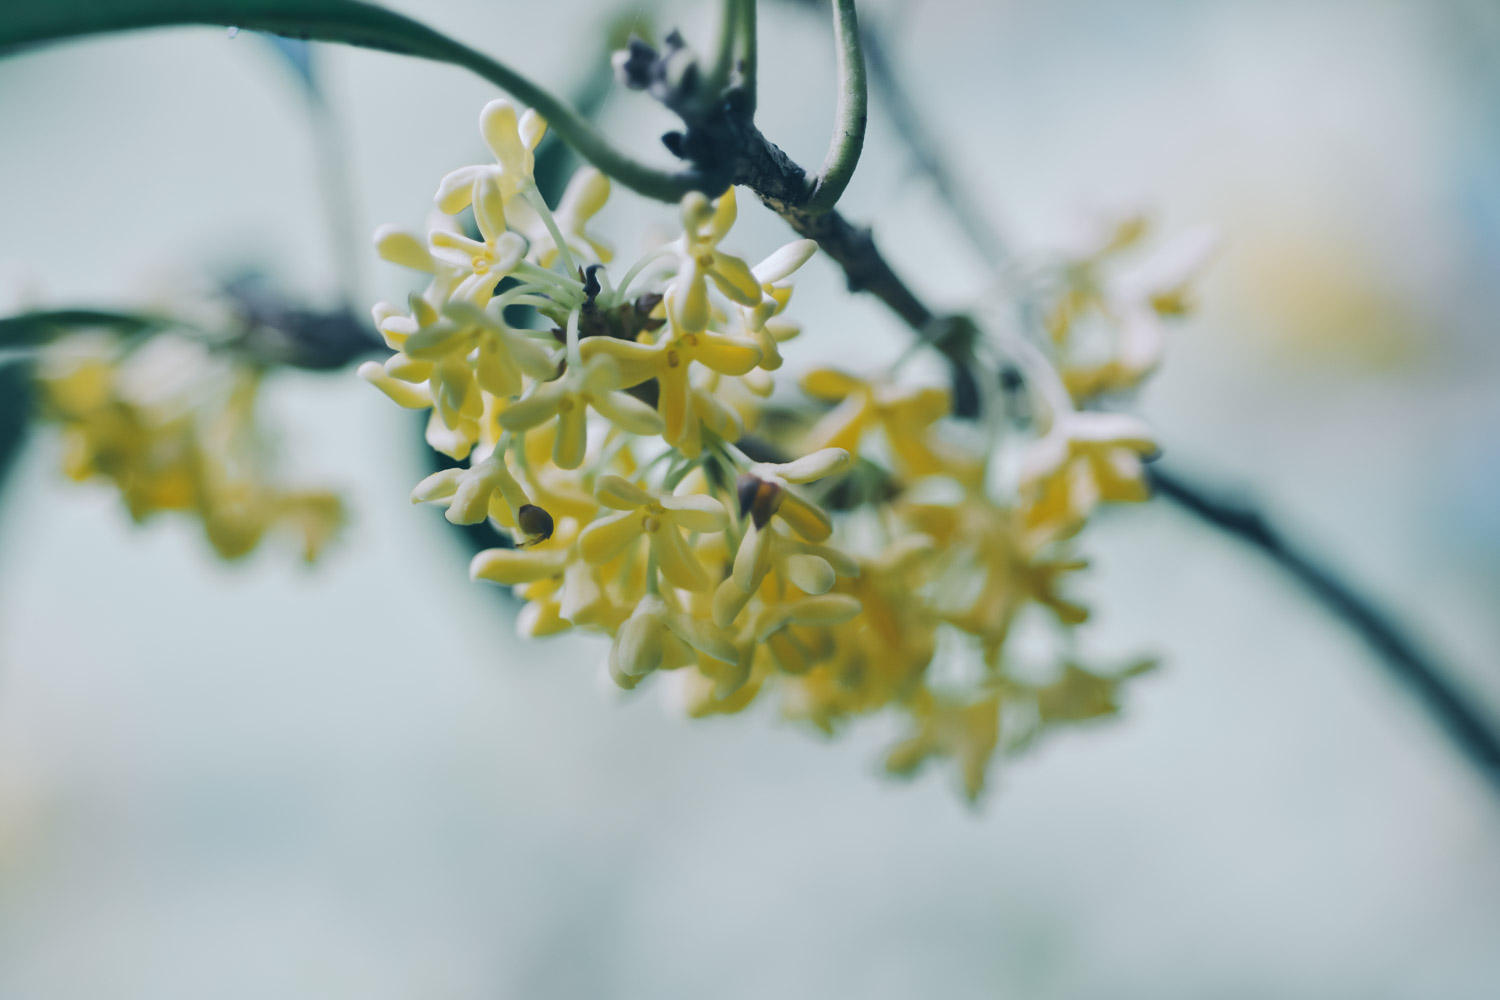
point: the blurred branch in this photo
(15, 416)
(38, 327)
(265, 328)
(1392, 645)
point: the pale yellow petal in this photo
(402, 247)
(753, 558)
(812, 467)
(412, 397)
(830, 384)
(621, 493)
(628, 413)
(537, 408)
(729, 601)
(676, 560)
(827, 609)
(726, 355)
(808, 573)
(572, 434)
(637, 362)
(733, 277)
(696, 512)
(457, 188)
(607, 537)
(515, 566)
(784, 261)
(489, 208)
(807, 519)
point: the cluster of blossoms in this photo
(171, 422)
(831, 553)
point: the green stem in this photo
(575, 359)
(746, 46)
(646, 261)
(536, 201)
(352, 23)
(559, 286)
(717, 79)
(849, 118)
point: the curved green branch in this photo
(350, 22)
(849, 117)
(745, 47)
(718, 74)
(33, 329)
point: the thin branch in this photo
(850, 115)
(1396, 648)
(38, 327)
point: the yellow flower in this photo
(470, 494)
(501, 352)
(797, 650)
(776, 292)
(983, 563)
(764, 494)
(483, 262)
(659, 517)
(701, 261)
(594, 386)
(511, 139)
(561, 590)
(1131, 305)
(656, 637)
(1083, 459)
(1079, 695)
(669, 363)
(903, 413)
(172, 424)
(967, 731)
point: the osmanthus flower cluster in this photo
(1107, 303)
(858, 554)
(172, 423)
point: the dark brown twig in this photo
(1409, 664)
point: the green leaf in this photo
(30, 22)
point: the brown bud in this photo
(535, 523)
(758, 499)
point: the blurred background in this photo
(353, 781)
